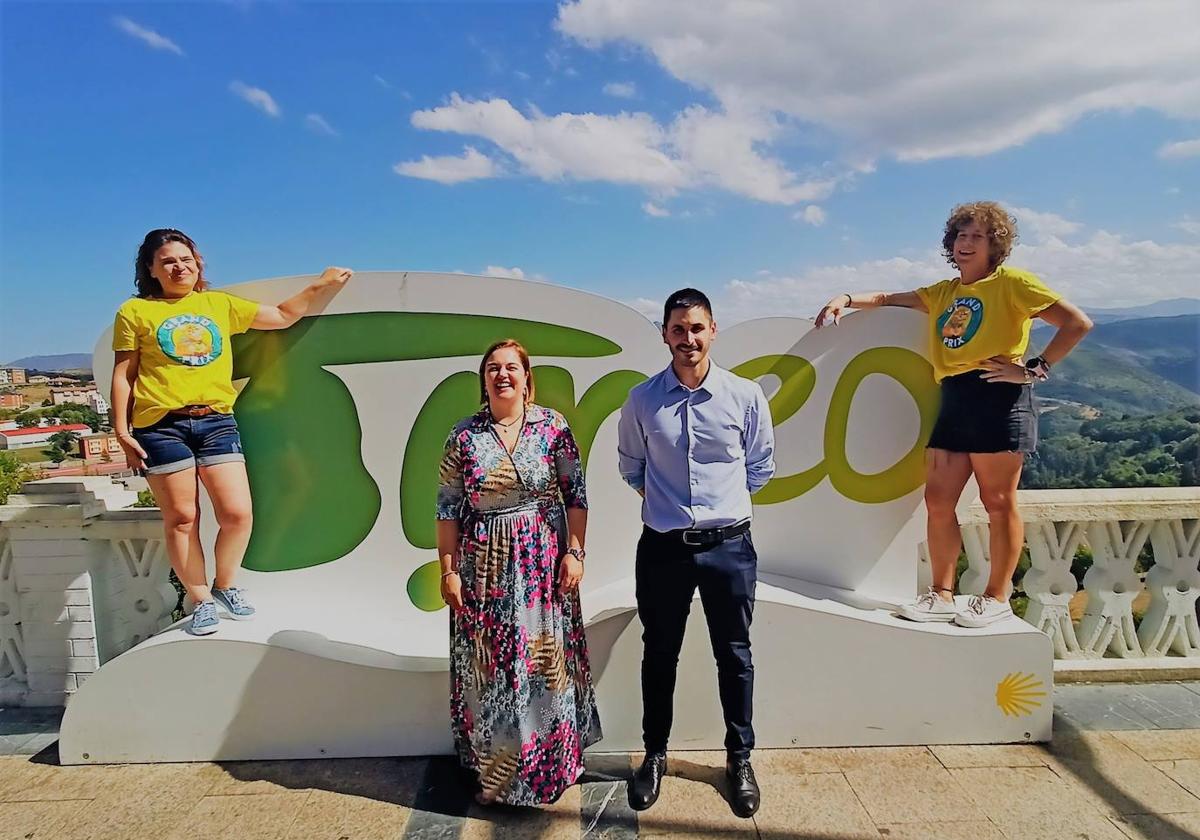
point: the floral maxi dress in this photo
(522, 704)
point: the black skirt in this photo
(981, 416)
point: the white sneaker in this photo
(983, 610)
(928, 607)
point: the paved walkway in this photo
(1125, 763)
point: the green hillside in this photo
(1123, 410)
(1142, 365)
(1161, 450)
(1114, 381)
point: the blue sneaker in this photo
(234, 602)
(204, 619)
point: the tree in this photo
(12, 475)
(62, 444)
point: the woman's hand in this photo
(334, 277)
(1001, 369)
(135, 456)
(452, 591)
(570, 573)
(832, 311)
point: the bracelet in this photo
(447, 574)
(849, 298)
(577, 553)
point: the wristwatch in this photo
(1039, 368)
(577, 553)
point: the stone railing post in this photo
(979, 558)
(13, 681)
(1112, 583)
(1050, 584)
(1174, 584)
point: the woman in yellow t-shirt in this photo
(978, 333)
(172, 399)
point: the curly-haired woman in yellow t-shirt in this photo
(978, 333)
(172, 399)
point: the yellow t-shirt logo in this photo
(959, 323)
(190, 339)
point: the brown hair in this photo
(1001, 229)
(522, 353)
(147, 286)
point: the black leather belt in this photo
(709, 536)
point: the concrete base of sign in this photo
(838, 671)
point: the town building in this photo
(88, 396)
(101, 448)
(38, 435)
(12, 400)
(12, 376)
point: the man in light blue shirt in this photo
(696, 440)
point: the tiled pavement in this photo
(1125, 763)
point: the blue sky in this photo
(772, 153)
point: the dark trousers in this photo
(668, 573)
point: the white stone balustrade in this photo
(84, 577)
(1116, 524)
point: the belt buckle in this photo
(687, 531)
(197, 410)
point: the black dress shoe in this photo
(644, 786)
(743, 787)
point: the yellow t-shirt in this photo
(183, 349)
(990, 317)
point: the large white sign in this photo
(344, 416)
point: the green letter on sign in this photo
(907, 474)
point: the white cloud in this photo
(621, 90)
(1043, 226)
(147, 36)
(858, 76)
(812, 214)
(1189, 225)
(625, 148)
(652, 209)
(318, 125)
(652, 309)
(383, 83)
(1105, 270)
(514, 273)
(257, 97)
(1182, 149)
(471, 166)
(700, 148)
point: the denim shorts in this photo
(178, 442)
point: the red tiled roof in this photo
(40, 430)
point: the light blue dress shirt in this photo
(697, 454)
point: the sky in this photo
(770, 152)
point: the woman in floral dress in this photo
(512, 513)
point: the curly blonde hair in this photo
(1001, 229)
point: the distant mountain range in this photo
(49, 364)
(1133, 366)
(1159, 309)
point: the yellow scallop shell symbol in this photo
(1019, 694)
